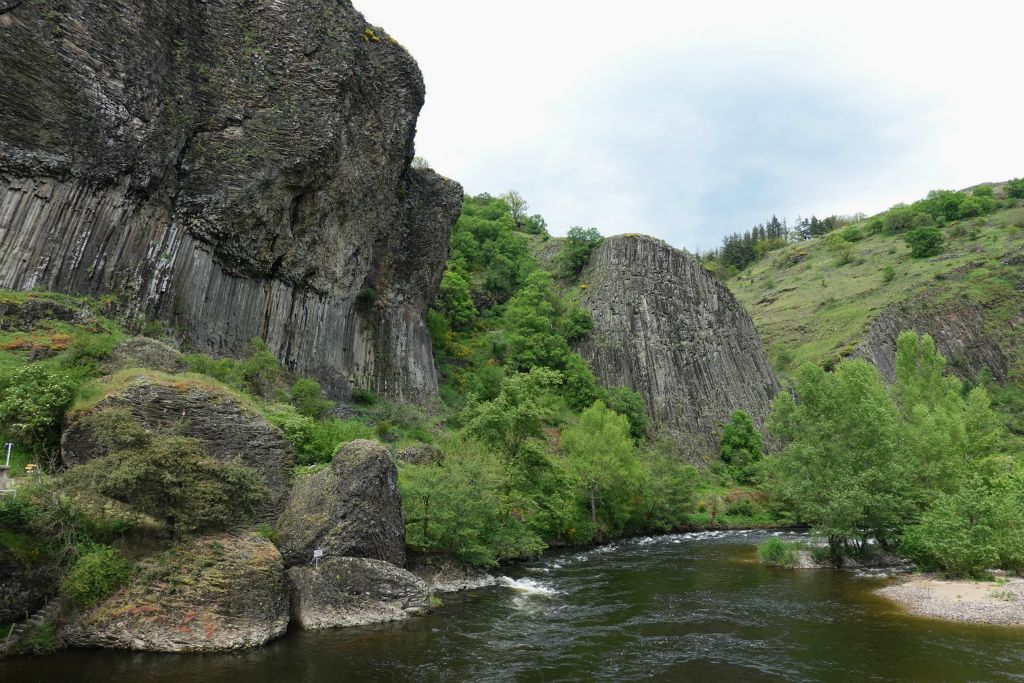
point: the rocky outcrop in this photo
(352, 591)
(228, 429)
(421, 454)
(236, 170)
(350, 509)
(959, 332)
(143, 352)
(443, 574)
(668, 329)
(216, 593)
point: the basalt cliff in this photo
(235, 170)
(668, 329)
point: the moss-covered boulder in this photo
(223, 423)
(143, 352)
(352, 591)
(214, 593)
(350, 509)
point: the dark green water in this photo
(692, 607)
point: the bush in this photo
(888, 274)
(901, 218)
(777, 553)
(625, 401)
(97, 573)
(924, 242)
(316, 441)
(172, 480)
(32, 401)
(1015, 188)
(983, 191)
(364, 397)
(308, 399)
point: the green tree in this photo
(625, 401)
(842, 470)
(575, 253)
(455, 300)
(603, 458)
(924, 242)
(1015, 188)
(308, 399)
(740, 446)
(517, 207)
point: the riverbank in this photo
(998, 602)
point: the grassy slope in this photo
(816, 309)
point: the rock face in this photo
(352, 591)
(226, 428)
(23, 589)
(236, 170)
(350, 509)
(669, 330)
(215, 593)
(958, 331)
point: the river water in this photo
(686, 607)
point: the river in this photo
(686, 607)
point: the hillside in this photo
(815, 300)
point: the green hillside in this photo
(813, 300)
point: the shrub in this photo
(625, 401)
(365, 299)
(32, 401)
(97, 572)
(364, 397)
(308, 399)
(1015, 188)
(172, 480)
(983, 191)
(901, 218)
(777, 553)
(924, 242)
(316, 441)
(888, 274)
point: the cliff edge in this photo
(236, 170)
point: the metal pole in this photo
(9, 446)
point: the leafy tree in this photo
(579, 243)
(740, 445)
(517, 207)
(924, 242)
(32, 401)
(1015, 188)
(602, 457)
(842, 470)
(536, 225)
(625, 401)
(513, 422)
(902, 218)
(455, 300)
(983, 191)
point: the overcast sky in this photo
(691, 120)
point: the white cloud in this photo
(689, 120)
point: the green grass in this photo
(802, 301)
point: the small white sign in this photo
(317, 554)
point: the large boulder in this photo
(350, 509)
(234, 169)
(352, 591)
(444, 574)
(671, 331)
(143, 352)
(215, 593)
(228, 428)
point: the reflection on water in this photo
(686, 607)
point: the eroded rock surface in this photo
(350, 509)
(668, 329)
(215, 593)
(352, 591)
(143, 352)
(444, 574)
(236, 170)
(227, 429)
(959, 333)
